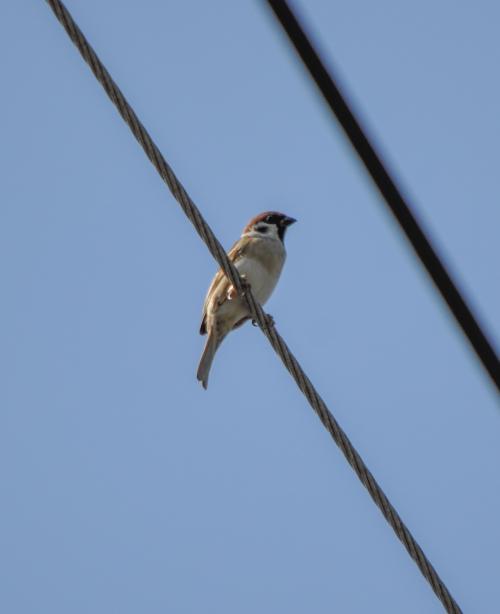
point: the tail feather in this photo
(211, 347)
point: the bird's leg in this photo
(245, 285)
(269, 320)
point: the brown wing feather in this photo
(234, 254)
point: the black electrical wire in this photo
(388, 188)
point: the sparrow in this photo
(258, 255)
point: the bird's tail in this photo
(211, 347)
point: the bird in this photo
(258, 255)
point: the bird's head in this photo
(269, 223)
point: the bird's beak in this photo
(288, 221)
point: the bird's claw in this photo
(269, 320)
(245, 286)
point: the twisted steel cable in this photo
(256, 311)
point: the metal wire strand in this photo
(257, 313)
(387, 187)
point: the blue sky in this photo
(128, 488)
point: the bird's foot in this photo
(269, 320)
(245, 285)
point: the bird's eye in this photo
(269, 219)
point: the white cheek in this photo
(271, 232)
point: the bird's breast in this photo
(262, 265)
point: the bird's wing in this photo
(220, 285)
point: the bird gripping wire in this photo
(256, 311)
